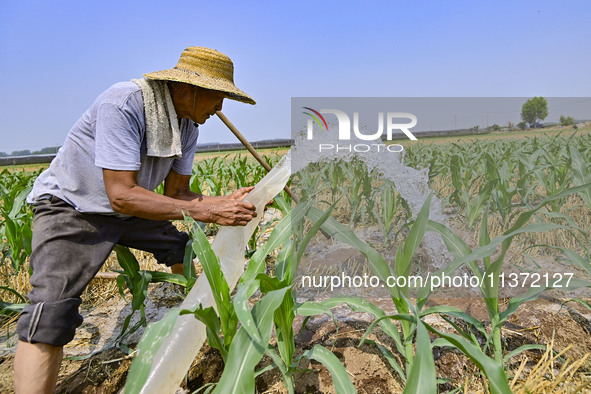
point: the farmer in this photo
(98, 192)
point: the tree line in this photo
(26, 152)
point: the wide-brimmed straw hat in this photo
(206, 68)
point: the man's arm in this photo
(127, 197)
(177, 186)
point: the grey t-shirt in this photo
(111, 135)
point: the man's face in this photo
(207, 102)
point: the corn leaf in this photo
(581, 175)
(217, 281)
(493, 370)
(422, 378)
(149, 345)
(245, 351)
(414, 238)
(340, 377)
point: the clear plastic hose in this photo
(173, 359)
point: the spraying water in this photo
(412, 184)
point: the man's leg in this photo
(161, 238)
(68, 249)
(44, 359)
(177, 268)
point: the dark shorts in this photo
(69, 248)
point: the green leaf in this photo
(480, 201)
(522, 349)
(390, 358)
(159, 276)
(188, 267)
(11, 309)
(154, 336)
(245, 352)
(279, 236)
(493, 370)
(488, 250)
(363, 305)
(127, 261)
(580, 301)
(11, 233)
(310, 308)
(12, 291)
(453, 311)
(455, 245)
(344, 234)
(219, 287)
(19, 201)
(573, 257)
(209, 317)
(243, 313)
(581, 175)
(414, 238)
(140, 290)
(340, 377)
(282, 204)
(422, 377)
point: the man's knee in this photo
(52, 323)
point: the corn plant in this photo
(466, 341)
(243, 348)
(581, 174)
(419, 370)
(137, 281)
(239, 371)
(15, 234)
(461, 179)
(16, 218)
(367, 211)
(394, 209)
(502, 192)
(220, 330)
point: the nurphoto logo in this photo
(392, 123)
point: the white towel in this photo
(163, 136)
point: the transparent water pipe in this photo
(173, 359)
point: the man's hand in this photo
(240, 193)
(243, 192)
(232, 212)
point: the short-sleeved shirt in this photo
(110, 135)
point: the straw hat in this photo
(206, 68)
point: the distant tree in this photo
(3, 154)
(510, 125)
(21, 153)
(566, 120)
(46, 151)
(522, 125)
(534, 109)
(49, 150)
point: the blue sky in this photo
(57, 56)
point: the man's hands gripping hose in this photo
(231, 210)
(238, 196)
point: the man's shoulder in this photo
(122, 93)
